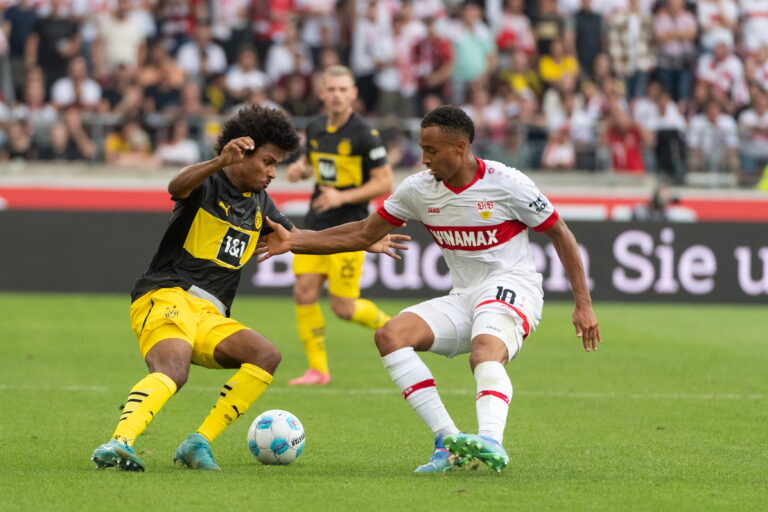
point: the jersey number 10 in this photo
(505, 295)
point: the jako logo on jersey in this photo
(485, 207)
(539, 204)
(433, 210)
(475, 238)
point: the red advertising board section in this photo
(595, 207)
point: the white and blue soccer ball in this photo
(276, 437)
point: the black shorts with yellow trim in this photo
(168, 313)
(342, 270)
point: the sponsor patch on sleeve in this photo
(377, 153)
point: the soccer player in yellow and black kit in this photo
(180, 308)
(349, 164)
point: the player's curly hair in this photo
(450, 119)
(263, 125)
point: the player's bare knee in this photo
(177, 374)
(174, 368)
(387, 340)
(305, 296)
(268, 358)
(487, 348)
(343, 308)
(476, 359)
(306, 291)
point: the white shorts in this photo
(502, 307)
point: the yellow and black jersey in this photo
(342, 158)
(212, 234)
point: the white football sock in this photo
(494, 390)
(415, 381)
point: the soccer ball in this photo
(276, 437)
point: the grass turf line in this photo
(670, 413)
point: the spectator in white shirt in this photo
(719, 20)
(582, 127)
(645, 109)
(396, 77)
(755, 24)
(713, 141)
(288, 56)
(319, 27)
(611, 8)
(35, 114)
(756, 68)
(230, 25)
(76, 89)
(120, 41)
(753, 130)
(423, 9)
(670, 138)
(244, 76)
(366, 39)
(202, 57)
(487, 113)
(179, 149)
(559, 153)
(5, 119)
(724, 73)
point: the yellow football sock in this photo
(368, 314)
(235, 398)
(144, 401)
(311, 327)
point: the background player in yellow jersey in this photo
(180, 305)
(349, 164)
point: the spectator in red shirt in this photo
(624, 138)
(512, 30)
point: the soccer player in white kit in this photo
(478, 212)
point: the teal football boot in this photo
(195, 452)
(483, 448)
(117, 454)
(441, 461)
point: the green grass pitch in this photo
(670, 414)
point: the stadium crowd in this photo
(633, 86)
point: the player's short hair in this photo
(450, 119)
(338, 71)
(263, 125)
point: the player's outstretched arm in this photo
(370, 234)
(191, 176)
(584, 318)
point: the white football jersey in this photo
(480, 228)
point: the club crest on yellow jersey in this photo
(344, 148)
(257, 221)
